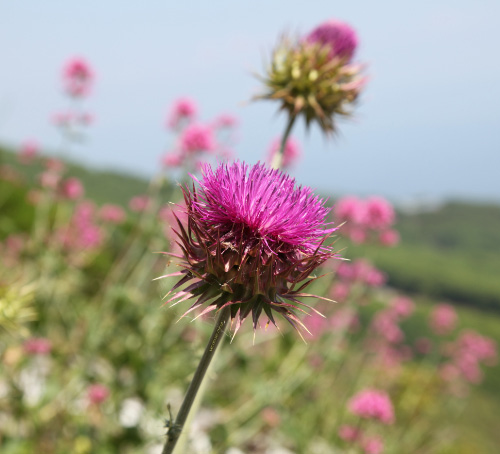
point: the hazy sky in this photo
(428, 125)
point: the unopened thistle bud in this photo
(313, 76)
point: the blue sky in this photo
(428, 125)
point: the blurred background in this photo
(425, 128)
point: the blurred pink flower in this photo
(37, 346)
(379, 213)
(291, 153)
(183, 110)
(172, 160)
(197, 137)
(339, 36)
(423, 345)
(49, 179)
(54, 165)
(340, 291)
(77, 77)
(72, 188)
(349, 433)
(481, 347)
(373, 445)
(112, 213)
(386, 326)
(225, 121)
(372, 404)
(403, 306)
(97, 394)
(28, 152)
(350, 209)
(139, 203)
(443, 319)
(389, 237)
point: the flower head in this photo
(77, 77)
(251, 237)
(372, 404)
(313, 76)
(183, 109)
(338, 36)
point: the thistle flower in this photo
(339, 36)
(251, 237)
(313, 76)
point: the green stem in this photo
(218, 333)
(277, 161)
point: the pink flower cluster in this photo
(97, 394)
(71, 189)
(360, 270)
(443, 319)
(28, 152)
(367, 218)
(83, 233)
(291, 153)
(197, 141)
(372, 404)
(113, 214)
(467, 353)
(345, 318)
(37, 346)
(355, 435)
(139, 203)
(340, 37)
(77, 77)
(183, 110)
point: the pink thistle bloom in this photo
(389, 237)
(28, 152)
(139, 203)
(97, 394)
(379, 213)
(291, 153)
(349, 433)
(443, 319)
(37, 346)
(339, 36)
(113, 214)
(183, 109)
(357, 234)
(72, 188)
(373, 445)
(251, 236)
(196, 138)
(372, 404)
(77, 77)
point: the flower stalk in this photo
(277, 161)
(175, 428)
